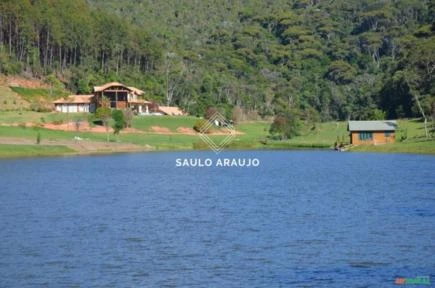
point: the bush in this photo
(39, 107)
(202, 126)
(211, 111)
(58, 122)
(118, 117)
(37, 126)
(286, 125)
(128, 117)
(91, 120)
(237, 115)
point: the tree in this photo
(104, 114)
(119, 121)
(54, 83)
(337, 57)
(128, 116)
(286, 125)
(237, 115)
(341, 72)
(211, 111)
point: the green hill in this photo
(336, 59)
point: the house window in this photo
(364, 136)
(387, 134)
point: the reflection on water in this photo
(300, 219)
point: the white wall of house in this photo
(72, 108)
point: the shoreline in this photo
(68, 152)
(20, 141)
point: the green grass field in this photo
(172, 123)
(12, 151)
(421, 147)
(8, 117)
(254, 134)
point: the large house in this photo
(119, 96)
(372, 132)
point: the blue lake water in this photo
(299, 219)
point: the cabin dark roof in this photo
(384, 125)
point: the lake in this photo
(298, 219)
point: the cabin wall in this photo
(378, 137)
(72, 108)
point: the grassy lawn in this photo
(30, 133)
(8, 117)
(172, 123)
(323, 136)
(421, 147)
(157, 141)
(254, 134)
(11, 151)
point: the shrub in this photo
(77, 124)
(237, 115)
(39, 107)
(118, 117)
(58, 122)
(36, 126)
(211, 111)
(403, 134)
(202, 126)
(286, 126)
(128, 116)
(91, 120)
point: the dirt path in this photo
(84, 127)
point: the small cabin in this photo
(372, 132)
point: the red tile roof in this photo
(110, 84)
(75, 99)
(171, 110)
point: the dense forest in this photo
(325, 60)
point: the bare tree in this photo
(410, 80)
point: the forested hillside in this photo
(328, 60)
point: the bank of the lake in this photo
(160, 133)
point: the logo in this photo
(419, 280)
(226, 128)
